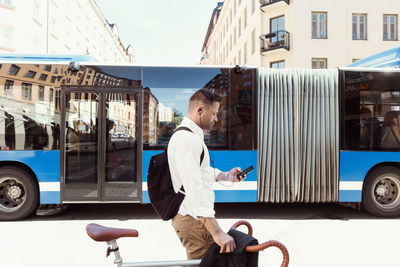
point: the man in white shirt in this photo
(195, 223)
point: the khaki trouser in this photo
(193, 234)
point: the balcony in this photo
(264, 3)
(275, 40)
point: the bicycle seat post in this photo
(114, 248)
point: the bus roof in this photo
(46, 58)
(385, 59)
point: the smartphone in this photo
(245, 171)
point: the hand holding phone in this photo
(244, 172)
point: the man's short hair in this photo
(205, 96)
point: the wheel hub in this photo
(14, 192)
(387, 191)
(382, 190)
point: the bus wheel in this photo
(381, 192)
(19, 195)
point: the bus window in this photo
(166, 96)
(29, 119)
(371, 111)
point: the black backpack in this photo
(163, 198)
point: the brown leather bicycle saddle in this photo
(101, 233)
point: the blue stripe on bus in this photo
(350, 195)
(355, 165)
(235, 196)
(49, 197)
(223, 160)
(44, 164)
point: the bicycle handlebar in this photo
(262, 246)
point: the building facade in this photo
(300, 33)
(60, 27)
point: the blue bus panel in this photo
(354, 166)
(45, 165)
(245, 191)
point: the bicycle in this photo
(110, 235)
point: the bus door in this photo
(102, 158)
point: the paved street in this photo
(315, 235)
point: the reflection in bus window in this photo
(166, 97)
(371, 108)
(121, 137)
(28, 120)
(81, 139)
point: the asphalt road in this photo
(294, 211)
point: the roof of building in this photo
(213, 21)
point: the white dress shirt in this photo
(184, 150)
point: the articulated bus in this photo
(73, 130)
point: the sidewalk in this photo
(310, 242)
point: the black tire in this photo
(19, 194)
(381, 192)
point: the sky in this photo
(161, 32)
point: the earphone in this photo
(200, 111)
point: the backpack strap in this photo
(182, 189)
(188, 129)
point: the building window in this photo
(30, 74)
(6, 2)
(43, 77)
(253, 41)
(319, 63)
(6, 35)
(277, 64)
(26, 91)
(51, 95)
(38, 12)
(14, 69)
(277, 25)
(359, 26)
(390, 27)
(240, 57)
(240, 27)
(354, 60)
(234, 36)
(57, 102)
(47, 67)
(319, 25)
(245, 53)
(41, 93)
(8, 86)
(253, 6)
(245, 18)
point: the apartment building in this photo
(233, 34)
(300, 33)
(60, 27)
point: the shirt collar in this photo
(192, 126)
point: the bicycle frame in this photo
(110, 235)
(119, 262)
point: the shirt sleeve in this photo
(199, 194)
